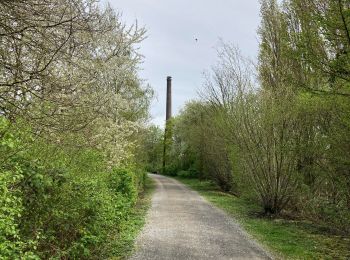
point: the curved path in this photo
(183, 225)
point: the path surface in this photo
(183, 225)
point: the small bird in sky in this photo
(196, 39)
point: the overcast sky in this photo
(171, 49)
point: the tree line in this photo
(73, 114)
(277, 130)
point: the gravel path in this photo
(183, 225)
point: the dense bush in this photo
(190, 173)
(52, 208)
(71, 107)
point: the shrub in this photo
(170, 170)
(58, 203)
(190, 173)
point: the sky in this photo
(171, 49)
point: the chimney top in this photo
(168, 78)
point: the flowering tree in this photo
(69, 68)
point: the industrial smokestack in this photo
(167, 132)
(168, 98)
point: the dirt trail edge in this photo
(181, 224)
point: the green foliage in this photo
(170, 170)
(11, 210)
(61, 203)
(168, 146)
(124, 245)
(150, 153)
(200, 148)
(190, 173)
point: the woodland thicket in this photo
(72, 118)
(278, 130)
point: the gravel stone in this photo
(181, 224)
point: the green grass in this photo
(133, 225)
(285, 239)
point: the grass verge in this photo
(133, 225)
(285, 239)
